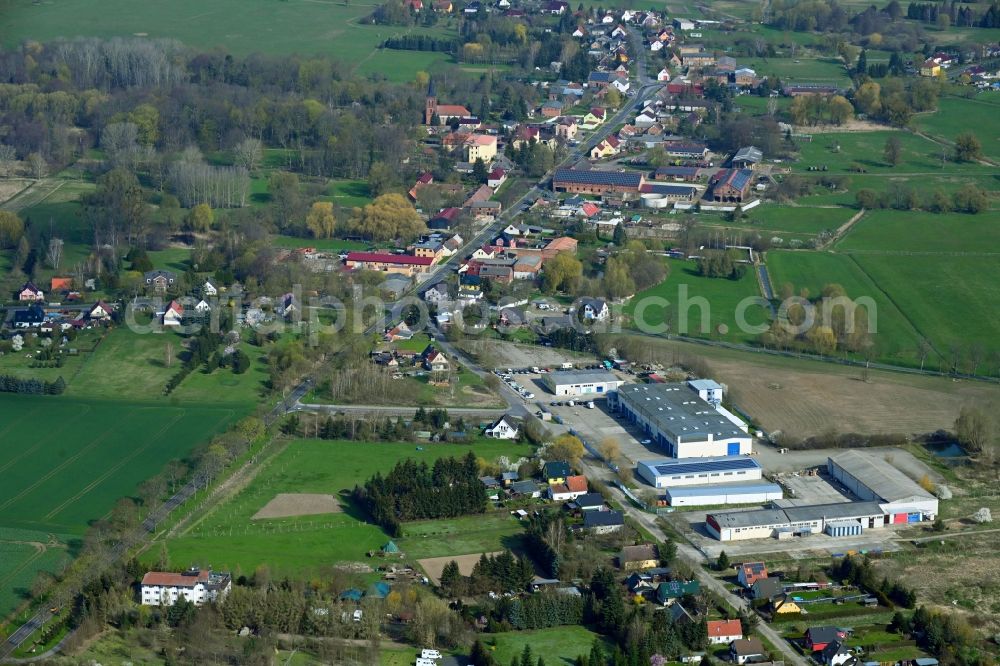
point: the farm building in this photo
(698, 472)
(723, 493)
(682, 422)
(800, 520)
(596, 182)
(582, 382)
(872, 479)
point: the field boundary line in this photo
(101, 479)
(889, 298)
(37, 554)
(228, 489)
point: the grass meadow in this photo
(896, 336)
(241, 27)
(956, 115)
(723, 296)
(65, 462)
(559, 645)
(229, 538)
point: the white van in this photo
(430, 654)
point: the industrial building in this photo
(840, 519)
(872, 479)
(673, 473)
(582, 382)
(677, 418)
(723, 493)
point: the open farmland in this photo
(803, 397)
(65, 462)
(229, 538)
(956, 115)
(240, 27)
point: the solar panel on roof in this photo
(671, 469)
(620, 178)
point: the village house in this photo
(496, 178)
(29, 293)
(606, 148)
(637, 558)
(603, 522)
(502, 428)
(724, 632)
(749, 573)
(159, 280)
(174, 314)
(481, 147)
(29, 317)
(435, 361)
(593, 309)
(817, 638)
(555, 471)
(745, 650)
(195, 586)
(100, 311)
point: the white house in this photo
(582, 382)
(663, 75)
(196, 586)
(502, 429)
(100, 312)
(656, 46)
(208, 289)
(594, 309)
(202, 307)
(173, 315)
(622, 85)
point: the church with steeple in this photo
(443, 112)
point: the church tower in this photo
(430, 106)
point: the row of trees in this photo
(969, 198)
(412, 491)
(12, 384)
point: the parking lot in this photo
(820, 489)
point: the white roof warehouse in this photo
(677, 418)
(582, 382)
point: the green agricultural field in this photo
(949, 299)
(238, 26)
(230, 538)
(65, 462)
(722, 296)
(896, 336)
(956, 115)
(925, 233)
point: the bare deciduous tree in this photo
(248, 153)
(8, 156)
(38, 166)
(55, 253)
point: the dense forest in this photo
(414, 491)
